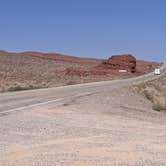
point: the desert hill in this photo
(3, 52)
(29, 70)
(61, 57)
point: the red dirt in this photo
(61, 57)
(84, 73)
(3, 52)
(144, 66)
(100, 66)
(35, 69)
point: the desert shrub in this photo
(159, 103)
(70, 82)
(156, 97)
(17, 88)
(20, 88)
(155, 91)
(149, 93)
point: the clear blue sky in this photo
(90, 28)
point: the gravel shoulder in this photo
(110, 128)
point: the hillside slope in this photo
(30, 70)
(155, 91)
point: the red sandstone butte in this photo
(120, 62)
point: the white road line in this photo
(30, 106)
(44, 103)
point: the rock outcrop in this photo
(121, 62)
(3, 52)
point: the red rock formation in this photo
(61, 57)
(3, 52)
(121, 62)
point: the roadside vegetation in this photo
(20, 88)
(155, 91)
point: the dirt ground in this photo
(109, 128)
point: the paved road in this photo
(114, 127)
(17, 101)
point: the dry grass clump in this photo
(20, 88)
(159, 103)
(157, 98)
(155, 91)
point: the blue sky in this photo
(87, 28)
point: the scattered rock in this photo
(83, 73)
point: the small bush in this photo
(70, 83)
(156, 97)
(149, 93)
(159, 103)
(20, 88)
(17, 88)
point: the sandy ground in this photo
(109, 128)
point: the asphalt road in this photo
(18, 101)
(95, 124)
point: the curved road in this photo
(17, 101)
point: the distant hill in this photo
(3, 52)
(30, 70)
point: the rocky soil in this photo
(113, 127)
(30, 70)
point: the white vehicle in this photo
(157, 71)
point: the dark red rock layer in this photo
(120, 62)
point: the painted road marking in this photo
(44, 103)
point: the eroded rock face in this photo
(121, 62)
